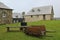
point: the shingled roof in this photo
(40, 10)
(4, 6)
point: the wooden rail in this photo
(20, 28)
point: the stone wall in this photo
(8, 18)
(28, 18)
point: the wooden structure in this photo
(8, 29)
(21, 28)
(36, 30)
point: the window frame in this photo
(4, 15)
(39, 10)
(31, 16)
(33, 10)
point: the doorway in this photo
(44, 17)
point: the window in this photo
(4, 14)
(16, 16)
(31, 15)
(39, 10)
(32, 10)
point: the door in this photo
(44, 17)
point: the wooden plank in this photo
(8, 28)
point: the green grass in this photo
(50, 25)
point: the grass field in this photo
(50, 25)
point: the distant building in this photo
(5, 14)
(40, 13)
(57, 18)
(17, 17)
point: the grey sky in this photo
(26, 5)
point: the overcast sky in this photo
(26, 5)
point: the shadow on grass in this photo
(40, 37)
